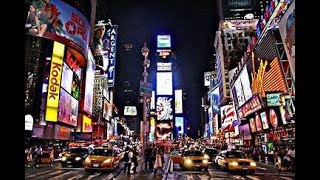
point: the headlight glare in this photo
(253, 164)
(63, 159)
(205, 161)
(87, 160)
(78, 158)
(206, 156)
(188, 161)
(234, 163)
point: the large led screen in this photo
(244, 77)
(228, 116)
(164, 108)
(130, 111)
(152, 129)
(214, 100)
(68, 109)
(164, 83)
(61, 132)
(88, 96)
(244, 131)
(60, 22)
(163, 130)
(179, 124)
(75, 90)
(178, 101)
(67, 76)
(239, 92)
(265, 124)
(163, 41)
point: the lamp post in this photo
(146, 64)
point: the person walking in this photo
(127, 157)
(134, 160)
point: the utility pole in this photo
(146, 64)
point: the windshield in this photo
(211, 151)
(102, 152)
(235, 155)
(193, 153)
(78, 151)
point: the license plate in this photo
(69, 162)
(244, 168)
(95, 165)
(197, 165)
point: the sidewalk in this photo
(272, 166)
(141, 174)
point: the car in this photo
(102, 158)
(194, 159)
(74, 157)
(176, 156)
(235, 160)
(211, 153)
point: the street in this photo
(264, 172)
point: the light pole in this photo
(146, 64)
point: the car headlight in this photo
(63, 159)
(188, 161)
(78, 158)
(205, 161)
(60, 155)
(107, 161)
(87, 161)
(206, 156)
(253, 164)
(234, 163)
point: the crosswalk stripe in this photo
(39, 173)
(61, 175)
(287, 178)
(252, 177)
(189, 177)
(92, 176)
(238, 177)
(262, 168)
(77, 177)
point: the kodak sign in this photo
(54, 82)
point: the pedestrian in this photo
(135, 160)
(127, 157)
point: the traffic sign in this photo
(145, 89)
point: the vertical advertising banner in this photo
(54, 82)
(178, 101)
(164, 83)
(288, 30)
(88, 96)
(179, 124)
(153, 101)
(86, 124)
(210, 76)
(112, 34)
(152, 129)
(56, 20)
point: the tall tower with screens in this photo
(164, 90)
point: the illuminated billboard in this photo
(179, 124)
(164, 108)
(163, 130)
(214, 100)
(86, 124)
(266, 76)
(153, 100)
(152, 129)
(107, 110)
(68, 109)
(163, 41)
(228, 116)
(60, 22)
(54, 82)
(67, 76)
(210, 76)
(164, 83)
(130, 111)
(61, 132)
(88, 96)
(245, 82)
(288, 30)
(178, 101)
(161, 66)
(112, 34)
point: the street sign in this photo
(145, 89)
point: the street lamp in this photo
(146, 64)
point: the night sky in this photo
(191, 23)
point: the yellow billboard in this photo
(86, 124)
(54, 82)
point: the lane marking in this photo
(262, 168)
(252, 177)
(77, 177)
(189, 177)
(238, 177)
(40, 173)
(61, 175)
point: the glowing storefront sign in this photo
(86, 124)
(54, 82)
(250, 107)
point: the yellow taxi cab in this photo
(235, 160)
(102, 158)
(176, 156)
(194, 159)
